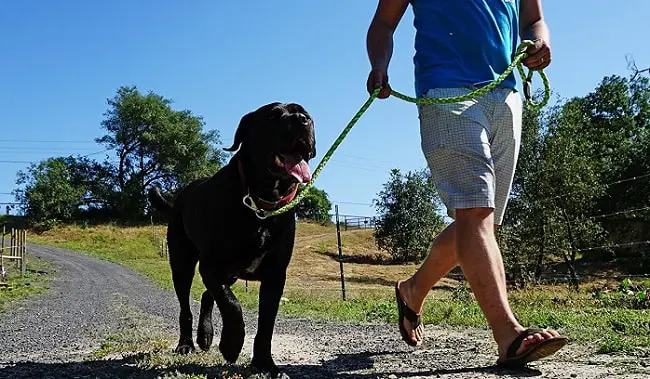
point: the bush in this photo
(408, 216)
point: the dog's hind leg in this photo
(182, 259)
(205, 331)
(232, 331)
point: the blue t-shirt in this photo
(463, 43)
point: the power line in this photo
(366, 158)
(48, 147)
(354, 166)
(97, 152)
(363, 164)
(351, 203)
(65, 152)
(16, 162)
(28, 162)
(44, 141)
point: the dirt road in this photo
(58, 334)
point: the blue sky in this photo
(62, 60)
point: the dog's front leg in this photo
(271, 289)
(232, 330)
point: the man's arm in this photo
(379, 42)
(532, 26)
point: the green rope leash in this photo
(526, 78)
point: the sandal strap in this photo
(514, 346)
(408, 313)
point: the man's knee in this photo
(477, 215)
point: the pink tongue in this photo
(299, 170)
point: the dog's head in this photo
(276, 142)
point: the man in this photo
(471, 147)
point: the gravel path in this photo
(52, 335)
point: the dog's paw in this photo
(231, 343)
(184, 348)
(205, 334)
(266, 365)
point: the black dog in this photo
(210, 224)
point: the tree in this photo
(571, 183)
(408, 215)
(315, 206)
(154, 143)
(58, 188)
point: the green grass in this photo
(609, 322)
(17, 287)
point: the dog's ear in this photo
(244, 124)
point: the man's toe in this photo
(534, 339)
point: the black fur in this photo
(209, 225)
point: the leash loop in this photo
(516, 63)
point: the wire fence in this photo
(13, 249)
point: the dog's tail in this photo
(159, 202)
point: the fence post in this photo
(13, 245)
(23, 255)
(2, 252)
(338, 236)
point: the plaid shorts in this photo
(472, 147)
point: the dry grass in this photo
(314, 267)
(315, 264)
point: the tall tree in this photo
(58, 188)
(155, 143)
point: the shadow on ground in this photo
(343, 366)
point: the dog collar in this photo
(264, 205)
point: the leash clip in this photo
(250, 204)
(527, 89)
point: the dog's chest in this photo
(262, 243)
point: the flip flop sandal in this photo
(404, 311)
(536, 351)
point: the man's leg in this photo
(441, 260)
(443, 129)
(470, 240)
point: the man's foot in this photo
(530, 345)
(410, 322)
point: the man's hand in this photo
(533, 27)
(379, 43)
(539, 55)
(377, 79)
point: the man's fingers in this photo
(539, 55)
(385, 92)
(537, 61)
(378, 79)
